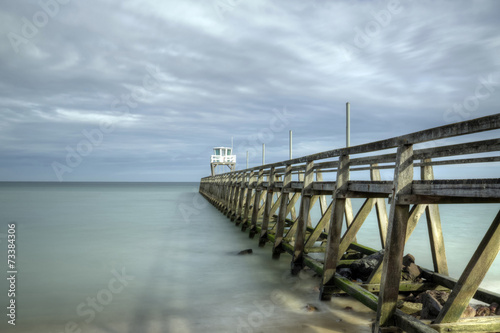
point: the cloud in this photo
(175, 79)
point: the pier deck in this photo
(274, 202)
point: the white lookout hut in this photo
(222, 156)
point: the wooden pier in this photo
(265, 200)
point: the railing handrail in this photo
(472, 126)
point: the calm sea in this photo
(156, 257)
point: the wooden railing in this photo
(265, 199)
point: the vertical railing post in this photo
(256, 204)
(236, 199)
(267, 210)
(380, 207)
(473, 275)
(244, 220)
(396, 236)
(335, 230)
(241, 201)
(300, 234)
(280, 224)
(434, 225)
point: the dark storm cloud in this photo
(144, 89)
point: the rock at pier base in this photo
(363, 268)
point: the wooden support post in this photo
(237, 197)
(300, 235)
(280, 224)
(291, 208)
(256, 204)
(434, 226)
(234, 203)
(323, 205)
(472, 276)
(319, 227)
(267, 210)
(242, 200)
(262, 206)
(380, 207)
(415, 213)
(244, 218)
(231, 192)
(349, 216)
(352, 230)
(234, 194)
(224, 191)
(291, 205)
(276, 204)
(335, 230)
(398, 220)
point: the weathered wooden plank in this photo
(462, 161)
(328, 187)
(478, 324)
(406, 287)
(415, 213)
(278, 185)
(376, 159)
(349, 217)
(267, 211)
(300, 233)
(356, 224)
(248, 200)
(447, 131)
(262, 203)
(398, 220)
(236, 199)
(434, 227)
(276, 204)
(319, 227)
(242, 201)
(410, 324)
(362, 248)
(367, 186)
(473, 274)
(428, 199)
(458, 149)
(326, 165)
(280, 224)
(334, 233)
(382, 219)
(356, 291)
(481, 294)
(475, 188)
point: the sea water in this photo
(156, 257)
(148, 257)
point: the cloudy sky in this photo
(142, 90)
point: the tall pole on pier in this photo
(348, 124)
(290, 148)
(247, 159)
(263, 153)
